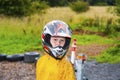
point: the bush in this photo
(117, 7)
(15, 7)
(21, 7)
(112, 28)
(37, 6)
(79, 6)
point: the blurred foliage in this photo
(21, 7)
(101, 2)
(110, 27)
(79, 6)
(54, 3)
(28, 7)
(117, 7)
(111, 55)
(38, 7)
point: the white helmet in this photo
(56, 28)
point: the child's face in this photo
(57, 41)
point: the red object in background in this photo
(74, 45)
(73, 55)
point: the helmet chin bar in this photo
(58, 52)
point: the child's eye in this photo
(55, 39)
(61, 40)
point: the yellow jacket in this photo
(48, 68)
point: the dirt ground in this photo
(90, 50)
(26, 71)
(17, 71)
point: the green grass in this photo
(92, 39)
(19, 36)
(112, 55)
(14, 43)
(19, 44)
(106, 57)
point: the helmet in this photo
(60, 29)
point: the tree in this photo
(56, 2)
(96, 2)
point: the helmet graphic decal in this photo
(60, 29)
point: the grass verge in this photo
(112, 55)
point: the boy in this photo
(54, 65)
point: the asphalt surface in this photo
(102, 71)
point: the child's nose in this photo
(58, 43)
